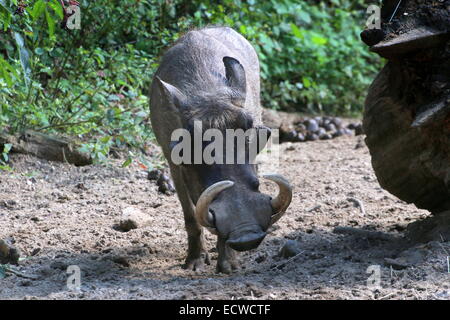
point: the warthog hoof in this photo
(227, 266)
(227, 261)
(197, 263)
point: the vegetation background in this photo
(92, 83)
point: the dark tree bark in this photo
(413, 163)
(407, 109)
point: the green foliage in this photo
(77, 82)
(311, 55)
(4, 157)
(92, 83)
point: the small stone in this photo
(165, 185)
(337, 122)
(290, 147)
(312, 125)
(319, 121)
(164, 178)
(347, 132)
(321, 132)
(166, 188)
(25, 283)
(325, 136)
(59, 265)
(352, 126)
(338, 133)
(291, 135)
(260, 259)
(300, 138)
(359, 130)
(330, 127)
(81, 186)
(154, 174)
(8, 253)
(301, 128)
(35, 251)
(290, 249)
(122, 260)
(359, 144)
(312, 137)
(132, 218)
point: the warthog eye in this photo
(213, 213)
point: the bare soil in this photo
(59, 215)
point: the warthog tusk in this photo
(202, 213)
(283, 199)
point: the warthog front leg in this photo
(226, 261)
(196, 255)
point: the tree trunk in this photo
(46, 147)
(407, 109)
(413, 163)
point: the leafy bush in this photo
(92, 83)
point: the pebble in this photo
(8, 253)
(312, 125)
(133, 218)
(289, 249)
(323, 128)
(312, 137)
(359, 130)
(154, 174)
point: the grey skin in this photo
(212, 75)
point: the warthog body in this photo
(211, 75)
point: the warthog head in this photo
(226, 195)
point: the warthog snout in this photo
(246, 241)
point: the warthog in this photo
(211, 75)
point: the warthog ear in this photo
(259, 138)
(235, 74)
(264, 134)
(171, 93)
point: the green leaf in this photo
(5, 75)
(50, 23)
(105, 139)
(127, 163)
(56, 6)
(5, 70)
(303, 15)
(39, 51)
(306, 82)
(24, 56)
(5, 17)
(4, 168)
(3, 4)
(7, 147)
(296, 31)
(243, 29)
(38, 9)
(319, 40)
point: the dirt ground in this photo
(59, 215)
